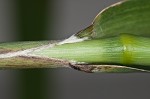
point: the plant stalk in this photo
(123, 50)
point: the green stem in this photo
(125, 50)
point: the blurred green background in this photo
(28, 20)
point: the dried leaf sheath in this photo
(16, 55)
